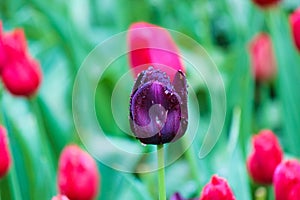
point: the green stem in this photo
(161, 172)
(261, 193)
(192, 159)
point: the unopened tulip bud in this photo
(78, 176)
(265, 157)
(21, 74)
(151, 45)
(217, 188)
(158, 104)
(262, 58)
(158, 107)
(22, 77)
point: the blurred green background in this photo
(62, 33)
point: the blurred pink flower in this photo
(287, 180)
(78, 176)
(265, 157)
(217, 188)
(21, 74)
(151, 45)
(295, 26)
(5, 159)
(262, 58)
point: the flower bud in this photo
(21, 74)
(217, 188)
(265, 157)
(22, 77)
(158, 108)
(262, 58)
(5, 159)
(287, 180)
(60, 197)
(266, 3)
(295, 26)
(78, 177)
(151, 45)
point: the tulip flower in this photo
(287, 180)
(60, 197)
(262, 58)
(266, 3)
(78, 177)
(158, 106)
(5, 159)
(21, 80)
(265, 157)
(295, 26)
(217, 188)
(151, 45)
(21, 74)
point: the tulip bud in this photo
(60, 197)
(78, 177)
(287, 180)
(295, 26)
(217, 188)
(5, 160)
(22, 77)
(151, 45)
(265, 157)
(266, 3)
(21, 74)
(158, 104)
(158, 108)
(262, 58)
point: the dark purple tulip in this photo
(177, 196)
(158, 108)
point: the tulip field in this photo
(150, 100)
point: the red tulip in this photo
(266, 3)
(295, 26)
(5, 160)
(22, 77)
(217, 188)
(265, 157)
(151, 45)
(262, 58)
(60, 197)
(21, 74)
(287, 180)
(78, 177)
